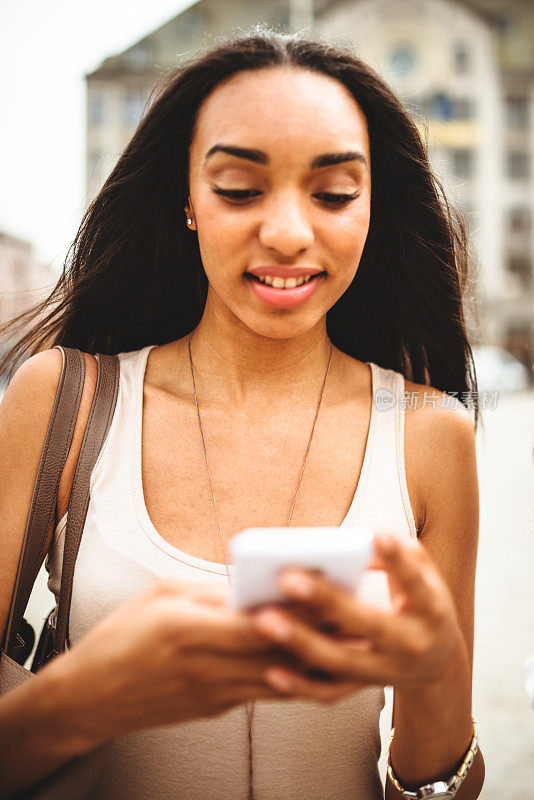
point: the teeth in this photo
(284, 283)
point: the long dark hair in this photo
(133, 275)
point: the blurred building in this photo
(465, 70)
(118, 90)
(23, 279)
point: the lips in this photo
(284, 297)
(283, 272)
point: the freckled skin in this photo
(293, 115)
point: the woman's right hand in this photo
(174, 653)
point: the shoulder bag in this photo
(76, 778)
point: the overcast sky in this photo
(45, 50)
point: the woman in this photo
(270, 250)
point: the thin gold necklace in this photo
(250, 712)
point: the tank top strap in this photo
(387, 392)
(388, 475)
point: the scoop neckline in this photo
(137, 478)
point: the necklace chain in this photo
(251, 711)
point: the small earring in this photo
(189, 220)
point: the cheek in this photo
(220, 234)
(216, 238)
(213, 250)
(347, 242)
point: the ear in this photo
(189, 215)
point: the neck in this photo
(238, 366)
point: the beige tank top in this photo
(302, 750)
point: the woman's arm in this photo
(36, 735)
(433, 724)
(174, 653)
(41, 728)
(198, 657)
(423, 646)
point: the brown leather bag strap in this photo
(53, 458)
(100, 416)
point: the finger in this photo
(331, 605)
(313, 648)
(214, 596)
(318, 596)
(356, 659)
(189, 589)
(201, 627)
(212, 599)
(410, 568)
(294, 684)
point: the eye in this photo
(336, 199)
(331, 199)
(236, 194)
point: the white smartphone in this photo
(259, 554)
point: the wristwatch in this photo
(439, 789)
(443, 789)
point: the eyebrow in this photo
(259, 157)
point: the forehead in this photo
(280, 108)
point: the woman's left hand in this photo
(350, 645)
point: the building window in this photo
(97, 109)
(462, 60)
(192, 22)
(518, 164)
(504, 21)
(437, 106)
(138, 56)
(520, 220)
(520, 265)
(462, 161)
(132, 108)
(462, 108)
(441, 106)
(517, 112)
(283, 19)
(402, 61)
(520, 342)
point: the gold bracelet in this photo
(441, 788)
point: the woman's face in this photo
(280, 188)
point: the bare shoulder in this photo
(27, 405)
(441, 467)
(439, 446)
(42, 371)
(24, 416)
(25, 413)
(434, 412)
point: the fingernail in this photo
(298, 585)
(280, 680)
(386, 543)
(273, 624)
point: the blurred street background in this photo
(75, 80)
(504, 623)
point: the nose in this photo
(286, 227)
